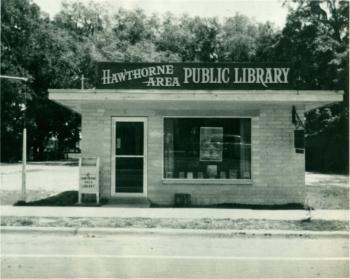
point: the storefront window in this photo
(207, 148)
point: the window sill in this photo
(207, 181)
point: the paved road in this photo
(152, 256)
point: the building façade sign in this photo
(201, 76)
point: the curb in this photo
(40, 230)
(171, 232)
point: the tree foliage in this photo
(54, 53)
(32, 46)
(316, 41)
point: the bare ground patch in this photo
(327, 191)
(176, 223)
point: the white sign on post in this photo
(89, 177)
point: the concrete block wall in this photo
(96, 142)
(277, 170)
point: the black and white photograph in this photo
(174, 139)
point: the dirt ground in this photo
(175, 223)
(42, 181)
(324, 191)
(327, 191)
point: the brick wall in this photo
(277, 171)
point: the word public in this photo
(263, 76)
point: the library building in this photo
(197, 134)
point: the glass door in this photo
(129, 156)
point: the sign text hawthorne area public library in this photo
(227, 76)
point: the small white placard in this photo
(89, 177)
(88, 180)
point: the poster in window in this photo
(211, 144)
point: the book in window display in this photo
(212, 171)
(233, 173)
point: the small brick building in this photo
(218, 145)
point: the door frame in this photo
(113, 155)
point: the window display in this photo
(207, 148)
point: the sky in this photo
(259, 10)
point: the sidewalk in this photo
(184, 213)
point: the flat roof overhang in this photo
(75, 98)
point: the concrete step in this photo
(135, 202)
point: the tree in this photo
(82, 20)
(32, 47)
(205, 35)
(315, 40)
(244, 40)
(55, 53)
(16, 31)
(134, 26)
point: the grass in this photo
(9, 197)
(323, 191)
(67, 198)
(171, 223)
(327, 191)
(287, 206)
(70, 198)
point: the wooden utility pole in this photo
(82, 81)
(24, 165)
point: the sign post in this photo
(89, 178)
(24, 164)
